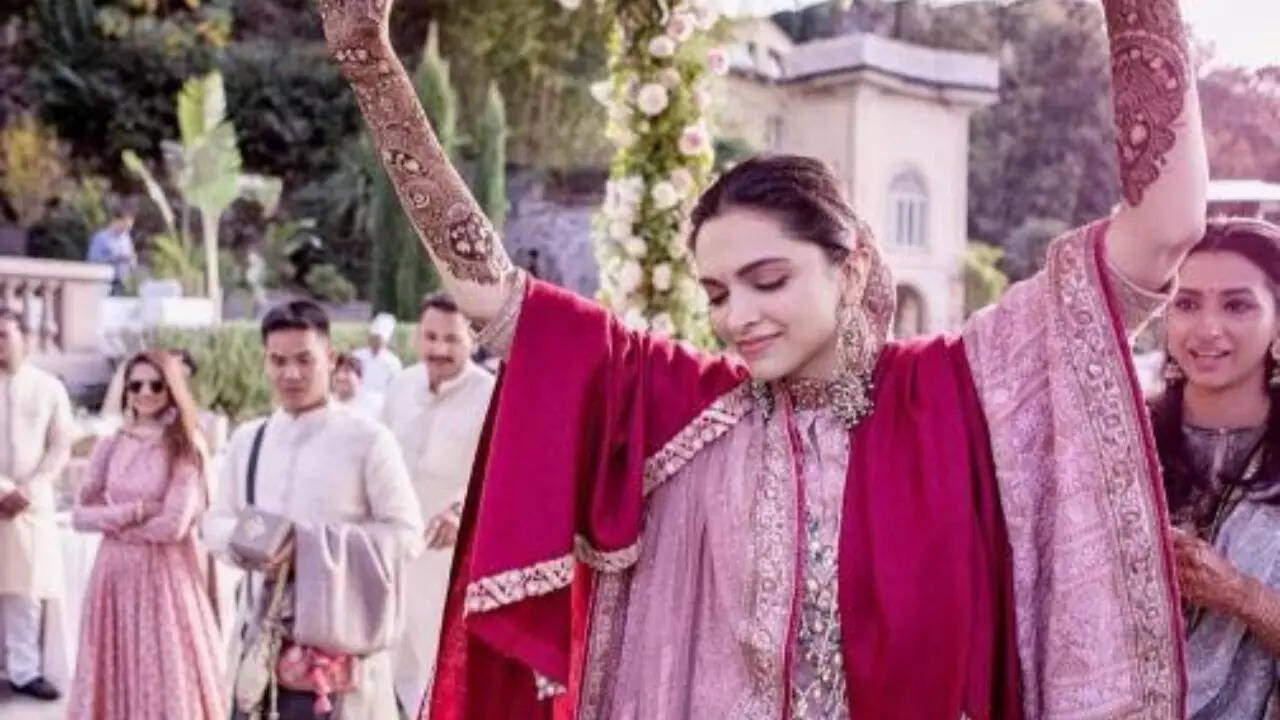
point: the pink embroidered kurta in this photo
(149, 643)
(659, 543)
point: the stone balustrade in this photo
(59, 301)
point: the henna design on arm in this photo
(451, 224)
(1151, 75)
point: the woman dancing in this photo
(820, 523)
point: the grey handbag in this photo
(349, 589)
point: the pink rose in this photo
(694, 140)
(718, 61)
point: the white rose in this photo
(621, 211)
(670, 78)
(570, 4)
(635, 319)
(689, 288)
(631, 189)
(663, 324)
(652, 99)
(694, 140)
(630, 277)
(624, 137)
(662, 46)
(635, 247)
(619, 229)
(665, 195)
(680, 26)
(682, 180)
(620, 114)
(602, 91)
(662, 277)
(718, 61)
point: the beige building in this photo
(892, 119)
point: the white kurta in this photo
(438, 433)
(329, 466)
(366, 403)
(36, 432)
(377, 371)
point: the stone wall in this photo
(551, 236)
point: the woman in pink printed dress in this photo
(148, 644)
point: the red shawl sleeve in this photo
(582, 402)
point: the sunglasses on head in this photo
(156, 386)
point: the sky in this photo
(1242, 32)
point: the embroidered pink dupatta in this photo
(943, 612)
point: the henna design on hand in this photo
(1151, 73)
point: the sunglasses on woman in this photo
(156, 386)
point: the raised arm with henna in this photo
(473, 264)
(1159, 138)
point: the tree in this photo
(491, 170)
(1242, 122)
(33, 168)
(204, 167)
(104, 74)
(1027, 246)
(1046, 149)
(983, 281)
(402, 270)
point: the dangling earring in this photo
(1274, 381)
(169, 416)
(851, 387)
(1172, 373)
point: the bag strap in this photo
(250, 493)
(251, 476)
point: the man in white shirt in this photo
(436, 409)
(321, 467)
(377, 363)
(36, 431)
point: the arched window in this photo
(910, 318)
(909, 210)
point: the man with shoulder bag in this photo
(316, 504)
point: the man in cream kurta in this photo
(36, 431)
(319, 465)
(436, 409)
(378, 364)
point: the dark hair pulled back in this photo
(801, 193)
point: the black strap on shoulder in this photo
(251, 477)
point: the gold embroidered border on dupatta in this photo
(772, 585)
(609, 596)
(1086, 362)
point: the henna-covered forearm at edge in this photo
(1164, 170)
(1150, 75)
(453, 228)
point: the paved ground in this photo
(14, 708)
